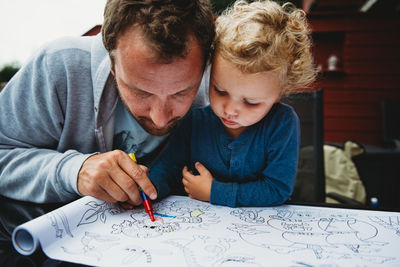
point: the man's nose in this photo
(160, 113)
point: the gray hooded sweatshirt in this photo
(54, 113)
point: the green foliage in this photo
(8, 71)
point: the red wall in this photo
(93, 31)
(368, 48)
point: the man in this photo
(73, 100)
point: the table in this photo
(197, 232)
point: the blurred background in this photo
(356, 51)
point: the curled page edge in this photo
(25, 237)
(24, 241)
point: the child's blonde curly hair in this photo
(264, 36)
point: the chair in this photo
(391, 122)
(379, 166)
(310, 180)
(379, 169)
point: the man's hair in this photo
(166, 25)
(264, 36)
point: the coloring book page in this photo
(189, 232)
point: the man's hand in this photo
(197, 186)
(113, 176)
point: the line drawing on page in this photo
(144, 228)
(59, 222)
(92, 245)
(189, 232)
(202, 250)
(327, 236)
(98, 211)
(196, 215)
(237, 260)
(134, 254)
(171, 216)
(388, 222)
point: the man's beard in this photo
(148, 125)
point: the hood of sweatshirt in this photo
(104, 91)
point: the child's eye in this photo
(249, 103)
(221, 93)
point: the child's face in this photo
(241, 99)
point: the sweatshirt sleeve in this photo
(32, 116)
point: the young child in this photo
(242, 150)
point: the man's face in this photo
(156, 94)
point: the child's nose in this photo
(231, 108)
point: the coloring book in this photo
(189, 232)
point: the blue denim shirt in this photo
(258, 168)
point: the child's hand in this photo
(197, 186)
